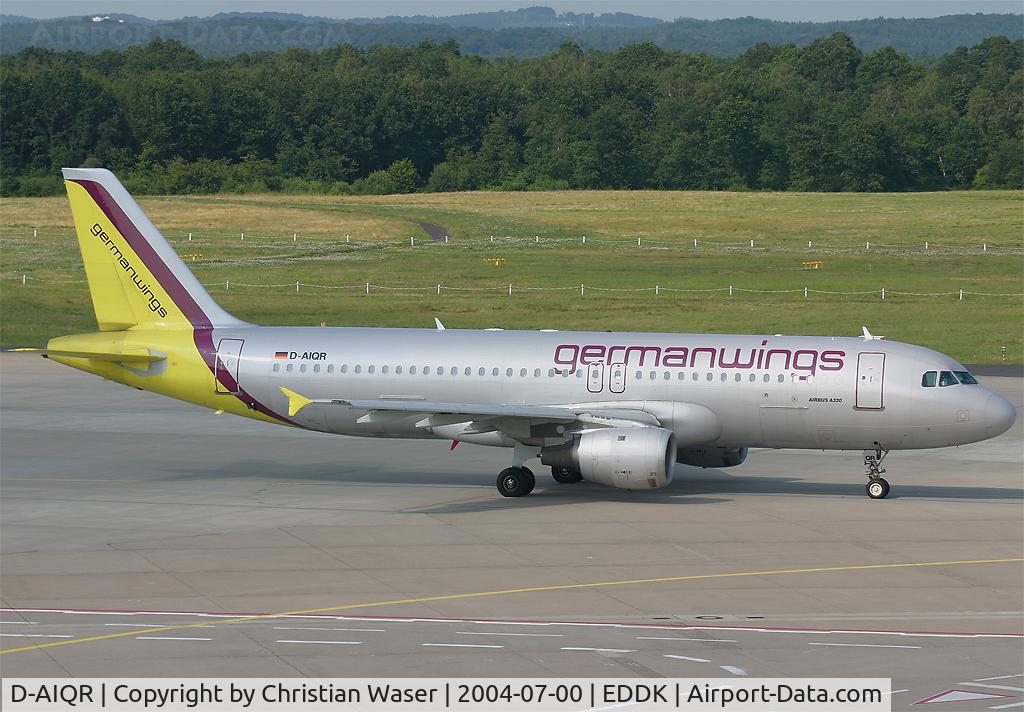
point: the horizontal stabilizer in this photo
(134, 356)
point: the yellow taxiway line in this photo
(505, 592)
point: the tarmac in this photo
(145, 537)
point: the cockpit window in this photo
(929, 378)
(966, 378)
(947, 379)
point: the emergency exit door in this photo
(595, 377)
(870, 375)
(229, 352)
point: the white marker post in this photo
(638, 242)
(227, 285)
(808, 243)
(190, 237)
(883, 292)
(412, 241)
(446, 239)
(510, 289)
(347, 238)
(584, 239)
(961, 295)
(22, 280)
(243, 236)
(439, 290)
(867, 245)
(296, 287)
(295, 236)
(657, 290)
(926, 244)
(367, 288)
(35, 233)
(751, 243)
(581, 290)
(805, 292)
(730, 290)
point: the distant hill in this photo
(522, 33)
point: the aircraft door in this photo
(870, 374)
(595, 377)
(617, 379)
(229, 353)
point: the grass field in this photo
(975, 243)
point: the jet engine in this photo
(712, 456)
(627, 458)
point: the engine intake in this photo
(712, 456)
(627, 458)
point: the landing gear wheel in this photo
(565, 475)
(515, 482)
(877, 488)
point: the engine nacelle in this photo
(712, 456)
(627, 458)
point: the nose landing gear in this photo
(877, 487)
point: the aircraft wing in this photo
(437, 413)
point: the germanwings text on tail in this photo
(617, 409)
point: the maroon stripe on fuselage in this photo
(202, 327)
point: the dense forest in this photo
(531, 32)
(823, 117)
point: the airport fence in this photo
(582, 290)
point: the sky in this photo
(809, 10)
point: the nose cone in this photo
(999, 415)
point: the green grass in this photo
(956, 225)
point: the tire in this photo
(877, 488)
(514, 482)
(565, 475)
(531, 481)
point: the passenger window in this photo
(928, 379)
(682, 375)
(711, 376)
(767, 378)
(508, 373)
(316, 368)
(398, 370)
(482, 371)
(782, 378)
(579, 373)
(536, 373)
(725, 377)
(522, 373)
(426, 370)
(357, 369)
(455, 371)
(639, 375)
(330, 368)
(753, 377)
(302, 368)
(277, 367)
(966, 378)
(739, 377)
(344, 368)
(384, 370)
(494, 372)
(551, 373)
(667, 375)
(653, 375)
(412, 370)
(288, 368)
(369, 369)
(947, 379)
(468, 371)
(696, 376)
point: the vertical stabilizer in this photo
(135, 277)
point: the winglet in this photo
(868, 336)
(295, 401)
(438, 324)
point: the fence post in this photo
(295, 236)
(296, 287)
(510, 289)
(926, 244)
(35, 233)
(439, 290)
(730, 290)
(867, 245)
(584, 239)
(805, 292)
(581, 290)
(347, 238)
(984, 247)
(961, 295)
(190, 237)
(695, 242)
(412, 241)
(808, 243)
(657, 290)
(883, 292)
(492, 238)
(243, 236)
(446, 239)
(22, 280)
(536, 238)
(751, 243)
(367, 287)
(227, 285)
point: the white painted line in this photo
(17, 622)
(517, 635)
(1006, 707)
(733, 670)
(1000, 677)
(509, 623)
(144, 625)
(994, 687)
(323, 642)
(458, 645)
(602, 650)
(31, 635)
(350, 630)
(166, 637)
(867, 645)
(672, 637)
(683, 657)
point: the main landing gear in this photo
(877, 487)
(516, 482)
(565, 475)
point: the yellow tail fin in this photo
(135, 277)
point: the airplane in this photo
(618, 409)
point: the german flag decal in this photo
(280, 354)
